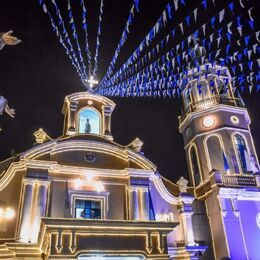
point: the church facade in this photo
(83, 196)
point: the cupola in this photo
(87, 113)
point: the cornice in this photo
(219, 107)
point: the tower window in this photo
(240, 146)
(88, 209)
(215, 153)
(187, 98)
(195, 166)
(89, 122)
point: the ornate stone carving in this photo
(183, 184)
(41, 136)
(136, 145)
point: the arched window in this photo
(242, 153)
(203, 90)
(195, 166)
(222, 89)
(215, 154)
(187, 98)
(89, 122)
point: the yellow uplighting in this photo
(2, 213)
(7, 213)
(99, 187)
(77, 183)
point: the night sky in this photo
(36, 75)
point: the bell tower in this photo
(222, 160)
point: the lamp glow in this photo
(6, 213)
(99, 186)
(77, 183)
(9, 213)
(208, 121)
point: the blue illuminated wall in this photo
(242, 230)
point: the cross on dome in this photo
(92, 82)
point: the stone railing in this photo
(226, 180)
(67, 238)
(210, 102)
(235, 180)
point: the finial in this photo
(41, 136)
(183, 184)
(136, 145)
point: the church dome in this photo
(88, 150)
(87, 140)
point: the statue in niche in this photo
(8, 39)
(87, 126)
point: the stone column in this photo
(71, 117)
(40, 207)
(26, 210)
(186, 218)
(144, 203)
(133, 203)
(107, 120)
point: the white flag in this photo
(204, 28)
(164, 18)
(181, 26)
(211, 37)
(249, 54)
(229, 26)
(239, 28)
(235, 54)
(176, 4)
(195, 12)
(257, 35)
(241, 3)
(44, 8)
(218, 40)
(250, 13)
(217, 53)
(221, 15)
(167, 38)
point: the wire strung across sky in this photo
(169, 57)
(157, 65)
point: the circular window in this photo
(90, 157)
(208, 121)
(234, 120)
